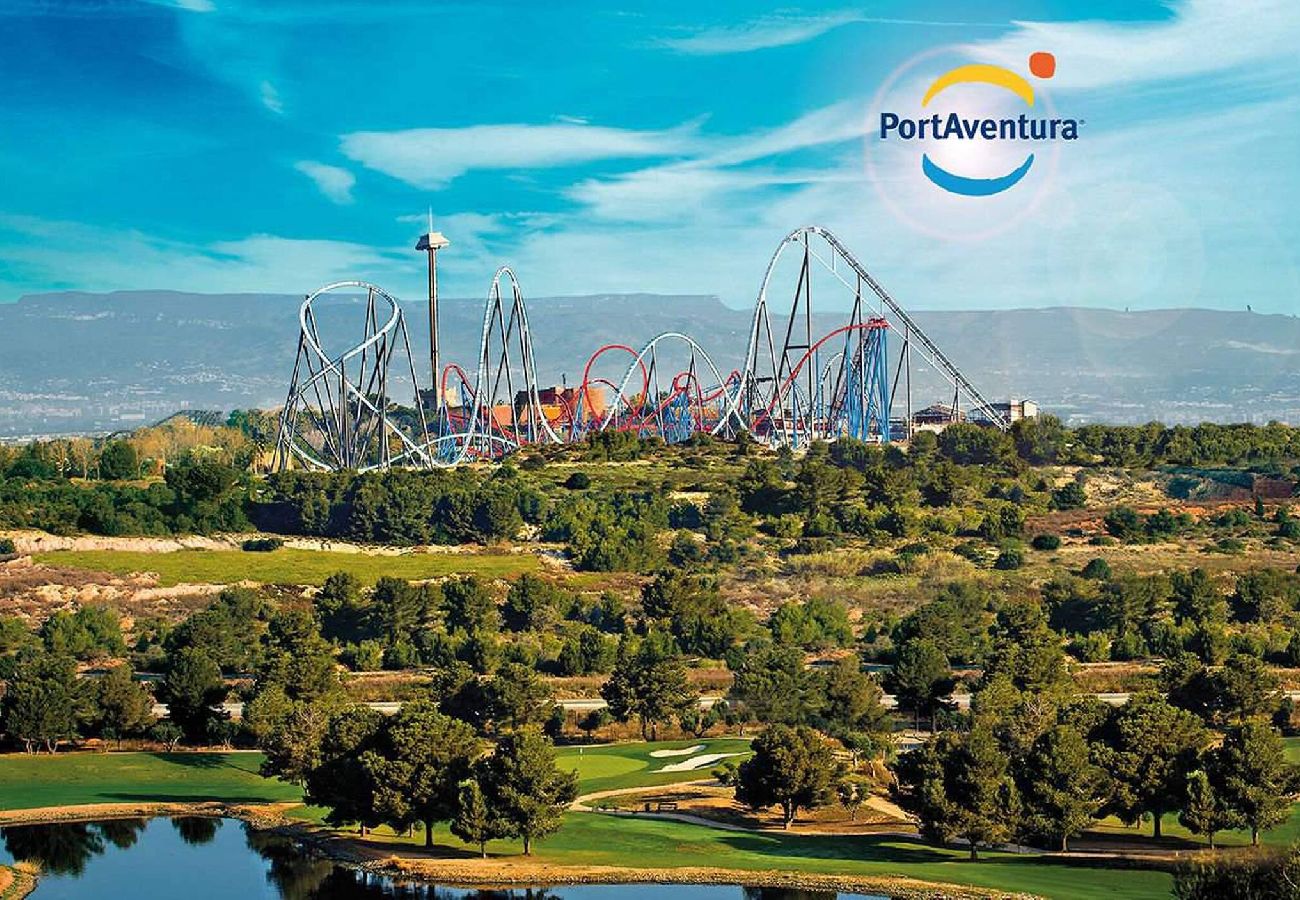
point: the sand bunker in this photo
(696, 762)
(685, 751)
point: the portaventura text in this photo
(939, 127)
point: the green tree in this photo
(340, 779)
(517, 697)
(1150, 747)
(1255, 780)
(960, 785)
(1204, 811)
(792, 768)
(91, 632)
(419, 758)
(474, 823)
(525, 790)
(43, 702)
(1061, 788)
(193, 691)
(533, 603)
(921, 678)
(648, 684)
(470, 605)
(118, 461)
(852, 707)
(774, 686)
(123, 706)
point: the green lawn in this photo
(288, 566)
(71, 778)
(588, 839)
(631, 765)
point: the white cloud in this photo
(88, 257)
(271, 98)
(431, 157)
(198, 6)
(781, 31)
(1202, 37)
(335, 183)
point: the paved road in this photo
(388, 707)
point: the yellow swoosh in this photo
(996, 75)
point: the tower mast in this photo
(431, 242)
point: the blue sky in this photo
(221, 145)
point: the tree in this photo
(774, 685)
(469, 604)
(1062, 789)
(595, 720)
(193, 691)
(167, 733)
(1246, 687)
(852, 707)
(648, 684)
(1204, 811)
(1254, 779)
(43, 701)
(524, 788)
(118, 460)
(123, 704)
(474, 822)
(921, 678)
(419, 758)
(517, 697)
(90, 632)
(1150, 747)
(960, 785)
(792, 768)
(852, 791)
(532, 603)
(340, 781)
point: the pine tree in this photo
(474, 823)
(525, 792)
(1255, 780)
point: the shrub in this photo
(7, 547)
(578, 481)
(1097, 569)
(262, 545)
(1046, 542)
(1010, 558)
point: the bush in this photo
(725, 774)
(1010, 558)
(7, 547)
(262, 545)
(1046, 542)
(1256, 873)
(578, 481)
(1097, 570)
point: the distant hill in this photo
(85, 362)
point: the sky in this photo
(232, 146)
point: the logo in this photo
(954, 126)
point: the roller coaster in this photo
(798, 383)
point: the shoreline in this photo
(514, 871)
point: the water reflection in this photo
(196, 830)
(215, 864)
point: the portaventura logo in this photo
(954, 126)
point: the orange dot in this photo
(1042, 64)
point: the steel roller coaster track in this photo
(799, 383)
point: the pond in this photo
(223, 859)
